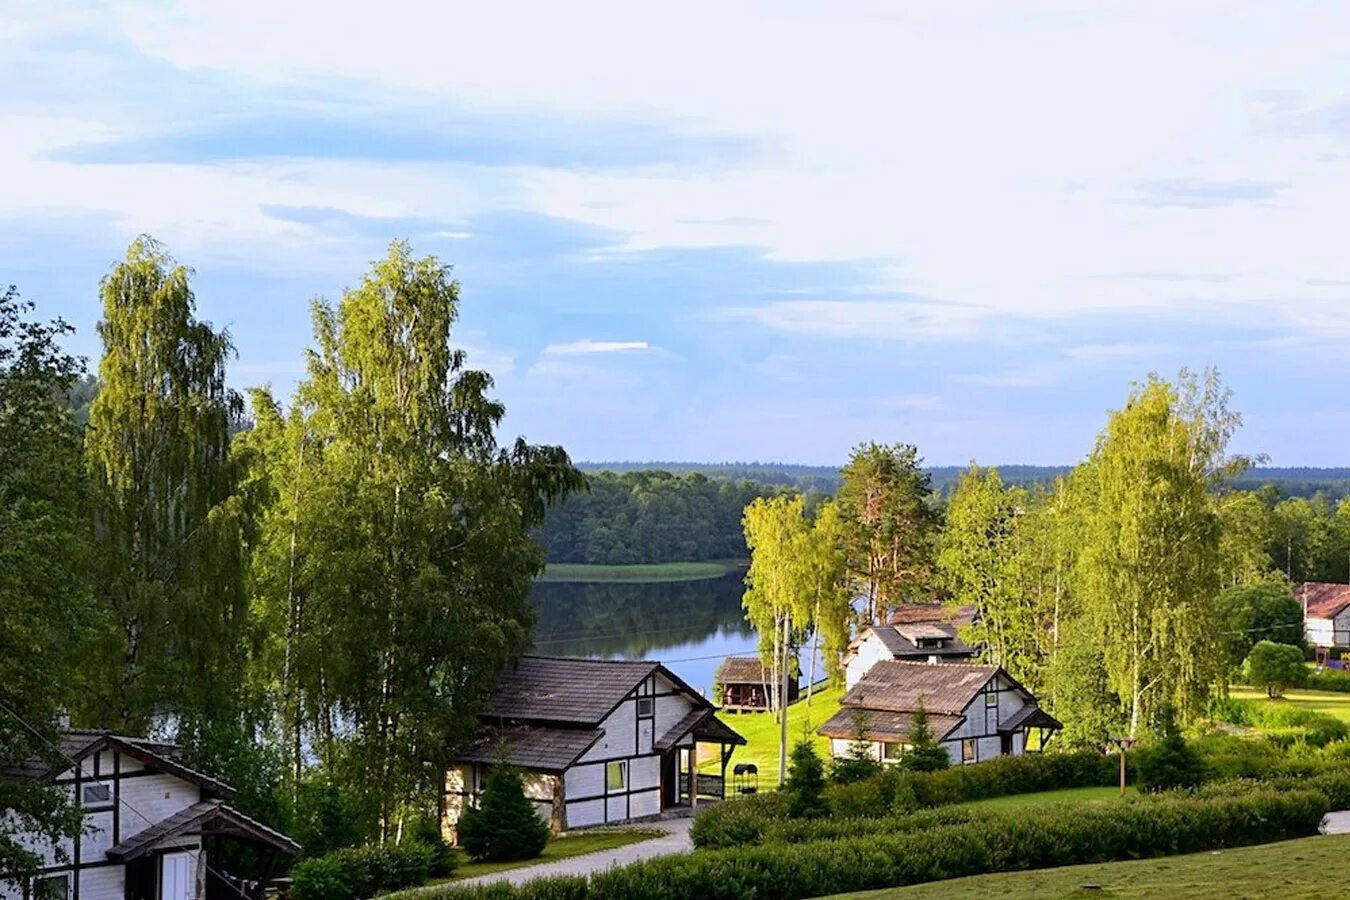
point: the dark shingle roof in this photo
(882, 725)
(195, 819)
(1029, 716)
(74, 744)
(1322, 600)
(744, 670)
(530, 747)
(898, 686)
(704, 724)
(902, 647)
(553, 689)
(933, 613)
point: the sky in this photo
(727, 231)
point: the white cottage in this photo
(599, 742)
(975, 712)
(1326, 615)
(150, 823)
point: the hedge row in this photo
(1035, 838)
(361, 872)
(1337, 680)
(1282, 724)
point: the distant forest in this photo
(652, 512)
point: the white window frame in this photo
(893, 751)
(973, 745)
(64, 876)
(651, 707)
(990, 699)
(106, 803)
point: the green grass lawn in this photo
(558, 848)
(638, 574)
(1291, 870)
(1329, 702)
(761, 732)
(1066, 795)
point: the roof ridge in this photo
(587, 659)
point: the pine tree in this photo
(504, 826)
(924, 753)
(805, 783)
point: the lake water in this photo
(690, 626)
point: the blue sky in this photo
(728, 231)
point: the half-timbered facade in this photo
(975, 712)
(1326, 615)
(599, 742)
(149, 824)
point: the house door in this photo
(175, 877)
(1007, 739)
(670, 779)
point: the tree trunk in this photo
(782, 712)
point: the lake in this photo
(689, 626)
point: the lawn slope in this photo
(1290, 870)
(761, 732)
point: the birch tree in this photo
(1148, 571)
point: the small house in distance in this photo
(975, 712)
(152, 825)
(1326, 616)
(599, 742)
(916, 632)
(745, 685)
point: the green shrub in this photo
(1168, 765)
(1337, 680)
(1007, 775)
(356, 873)
(504, 827)
(738, 822)
(888, 792)
(805, 784)
(1275, 667)
(924, 753)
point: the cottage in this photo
(746, 686)
(931, 642)
(599, 742)
(151, 822)
(975, 712)
(1326, 615)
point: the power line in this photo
(75, 764)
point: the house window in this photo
(892, 751)
(616, 776)
(52, 887)
(646, 707)
(991, 698)
(96, 796)
(969, 752)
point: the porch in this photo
(682, 785)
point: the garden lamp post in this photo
(1121, 744)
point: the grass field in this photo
(638, 574)
(1329, 702)
(558, 848)
(1291, 870)
(761, 732)
(1066, 795)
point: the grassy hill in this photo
(761, 732)
(1291, 870)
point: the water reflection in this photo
(688, 625)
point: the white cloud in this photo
(1121, 350)
(586, 346)
(897, 320)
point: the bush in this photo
(505, 826)
(1007, 775)
(738, 822)
(444, 859)
(806, 783)
(1042, 837)
(886, 793)
(924, 754)
(1275, 667)
(1337, 680)
(1167, 765)
(357, 873)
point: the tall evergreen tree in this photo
(395, 549)
(167, 524)
(45, 613)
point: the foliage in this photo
(1038, 837)
(1147, 574)
(1082, 698)
(327, 816)
(805, 783)
(168, 525)
(43, 594)
(859, 762)
(1335, 680)
(741, 822)
(651, 516)
(1168, 764)
(1282, 723)
(924, 753)
(394, 558)
(1265, 611)
(357, 873)
(1275, 667)
(889, 524)
(504, 826)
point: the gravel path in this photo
(675, 840)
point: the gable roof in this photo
(703, 723)
(1323, 600)
(933, 614)
(901, 646)
(531, 747)
(882, 725)
(744, 670)
(74, 745)
(197, 819)
(570, 691)
(899, 686)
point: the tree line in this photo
(315, 606)
(1126, 593)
